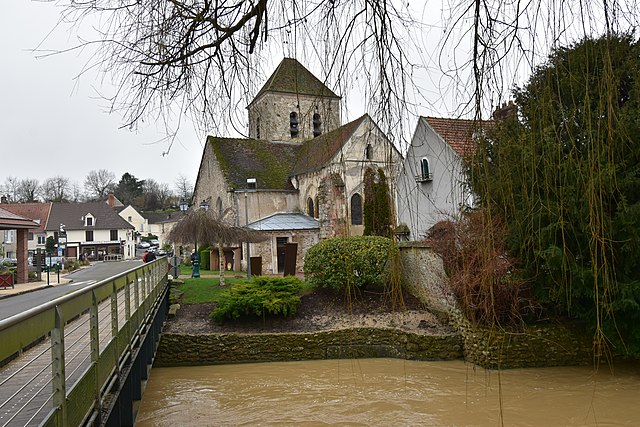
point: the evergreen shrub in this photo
(348, 263)
(262, 297)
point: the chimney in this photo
(111, 200)
(506, 111)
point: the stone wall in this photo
(189, 350)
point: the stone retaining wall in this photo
(191, 350)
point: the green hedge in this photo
(345, 263)
(263, 296)
(205, 259)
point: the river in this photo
(389, 392)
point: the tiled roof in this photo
(12, 221)
(285, 221)
(270, 163)
(458, 133)
(34, 211)
(292, 77)
(317, 152)
(72, 214)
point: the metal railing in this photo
(60, 360)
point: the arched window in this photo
(425, 171)
(368, 152)
(317, 125)
(310, 207)
(219, 207)
(257, 127)
(356, 209)
(293, 124)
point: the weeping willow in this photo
(564, 174)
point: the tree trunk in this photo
(221, 263)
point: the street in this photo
(80, 278)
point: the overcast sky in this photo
(50, 125)
(53, 124)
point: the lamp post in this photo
(195, 272)
(251, 184)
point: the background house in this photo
(432, 185)
(93, 230)
(299, 160)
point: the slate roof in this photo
(71, 215)
(290, 76)
(317, 152)
(33, 211)
(458, 133)
(11, 221)
(269, 162)
(285, 221)
(161, 217)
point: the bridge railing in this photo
(60, 360)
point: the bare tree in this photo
(56, 189)
(28, 190)
(169, 56)
(98, 183)
(10, 188)
(207, 227)
(184, 188)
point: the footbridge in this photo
(82, 359)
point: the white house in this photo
(432, 184)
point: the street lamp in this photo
(184, 206)
(251, 184)
(195, 271)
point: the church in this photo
(298, 177)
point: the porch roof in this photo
(285, 221)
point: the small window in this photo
(310, 207)
(356, 209)
(257, 127)
(317, 125)
(368, 152)
(42, 240)
(113, 235)
(425, 171)
(89, 221)
(30, 236)
(129, 218)
(88, 236)
(293, 124)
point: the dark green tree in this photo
(50, 245)
(376, 208)
(565, 175)
(130, 190)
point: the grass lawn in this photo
(205, 290)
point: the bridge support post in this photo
(57, 368)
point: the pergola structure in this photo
(11, 221)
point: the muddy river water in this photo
(390, 392)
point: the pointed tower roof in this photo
(292, 77)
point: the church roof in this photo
(458, 133)
(317, 152)
(268, 162)
(292, 77)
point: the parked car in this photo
(154, 243)
(12, 261)
(144, 245)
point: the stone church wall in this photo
(272, 111)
